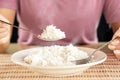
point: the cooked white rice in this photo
(54, 55)
(51, 33)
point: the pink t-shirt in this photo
(79, 19)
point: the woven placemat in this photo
(109, 70)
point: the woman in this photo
(79, 20)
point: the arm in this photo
(6, 15)
(112, 14)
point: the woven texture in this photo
(109, 70)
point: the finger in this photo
(117, 53)
(114, 47)
(111, 47)
(115, 41)
(114, 44)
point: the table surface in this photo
(109, 70)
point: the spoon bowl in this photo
(89, 58)
(51, 34)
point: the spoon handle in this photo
(99, 48)
(19, 27)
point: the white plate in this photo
(99, 57)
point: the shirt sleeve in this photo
(112, 11)
(9, 4)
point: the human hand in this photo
(115, 44)
(3, 31)
(4, 35)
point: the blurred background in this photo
(104, 32)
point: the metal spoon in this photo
(89, 58)
(38, 36)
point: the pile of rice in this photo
(55, 55)
(51, 33)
